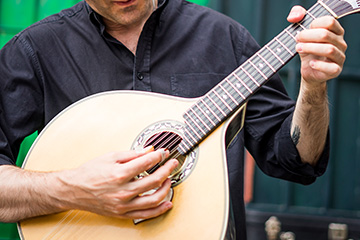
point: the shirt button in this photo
(140, 76)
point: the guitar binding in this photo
(167, 134)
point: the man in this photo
(165, 46)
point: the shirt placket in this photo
(141, 72)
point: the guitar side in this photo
(110, 122)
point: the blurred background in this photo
(330, 206)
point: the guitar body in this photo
(111, 121)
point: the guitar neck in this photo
(234, 91)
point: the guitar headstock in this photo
(340, 8)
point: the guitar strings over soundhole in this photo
(169, 141)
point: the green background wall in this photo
(337, 193)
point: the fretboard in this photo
(234, 91)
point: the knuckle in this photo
(336, 71)
(125, 196)
(158, 180)
(331, 22)
(118, 176)
(156, 200)
(119, 210)
(344, 45)
(148, 162)
(324, 35)
(331, 50)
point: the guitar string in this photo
(67, 215)
(60, 233)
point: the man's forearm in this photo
(25, 194)
(310, 122)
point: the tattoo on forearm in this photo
(296, 135)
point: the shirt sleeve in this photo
(20, 97)
(267, 130)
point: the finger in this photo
(124, 157)
(328, 51)
(296, 14)
(133, 189)
(149, 213)
(155, 179)
(330, 69)
(133, 168)
(322, 36)
(329, 23)
(146, 161)
(151, 198)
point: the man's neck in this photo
(129, 36)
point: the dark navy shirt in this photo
(184, 50)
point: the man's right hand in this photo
(105, 185)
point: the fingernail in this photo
(312, 64)
(176, 163)
(168, 205)
(163, 152)
(299, 47)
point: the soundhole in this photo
(168, 135)
(169, 141)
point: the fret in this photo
(206, 114)
(221, 98)
(198, 120)
(266, 62)
(216, 105)
(229, 95)
(290, 34)
(318, 10)
(245, 79)
(279, 50)
(188, 136)
(277, 57)
(233, 96)
(292, 31)
(284, 46)
(299, 24)
(310, 14)
(235, 88)
(242, 82)
(194, 131)
(258, 70)
(250, 76)
(213, 106)
(210, 109)
(271, 57)
(184, 143)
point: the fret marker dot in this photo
(278, 50)
(225, 97)
(238, 85)
(261, 65)
(207, 112)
